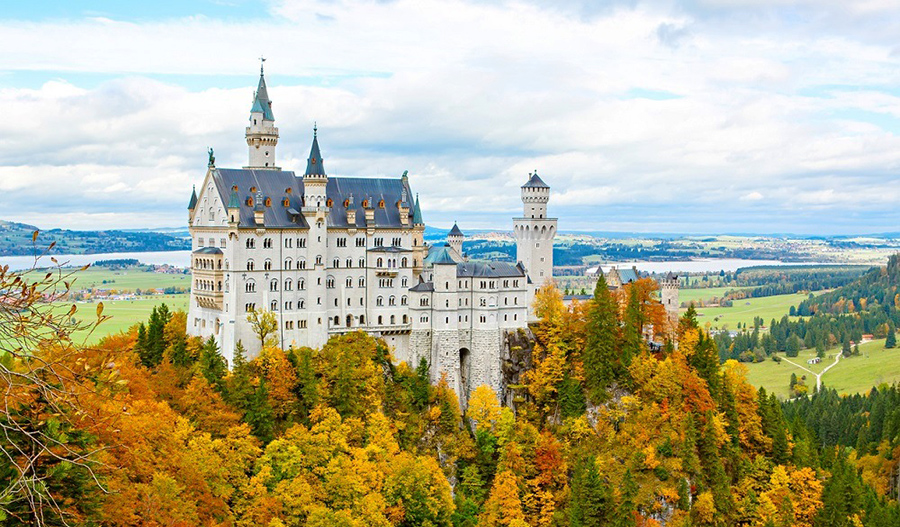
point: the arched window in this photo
(288, 284)
(379, 262)
(249, 265)
(379, 301)
(337, 320)
(251, 243)
(349, 281)
(393, 319)
(273, 285)
(392, 300)
(301, 284)
(362, 320)
(288, 264)
(349, 262)
(362, 262)
(362, 282)
(403, 282)
(349, 321)
(336, 263)
(273, 305)
(267, 265)
(250, 286)
(403, 300)
(405, 319)
(380, 320)
(403, 262)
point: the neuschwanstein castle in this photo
(330, 255)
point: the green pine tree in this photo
(213, 366)
(259, 414)
(591, 503)
(601, 361)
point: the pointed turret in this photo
(455, 240)
(262, 135)
(455, 231)
(417, 213)
(314, 165)
(193, 203)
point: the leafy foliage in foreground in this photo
(605, 432)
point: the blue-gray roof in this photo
(489, 270)
(455, 231)
(440, 256)
(208, 250)
(423, 287)
(535, 182)
(628, 275)
(314, 164)
(193, 203)
(273, 184)
(417, 213)
(261, 102)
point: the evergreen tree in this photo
(306, 388)
(152, 353)
(571, 397)
(625, 512)
(591, 502)
(845, 347)
(239, 386)
(213, 366)
(140, 346)
(601, 363)
(259, 414)
(891, 341)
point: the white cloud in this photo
(468, 97)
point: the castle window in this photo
(362, 282)
(392, 301)
(267, 265)
(301, 264)
(250, 287)
(212, 215)
(349, 320)
(362, 320)
(267, 243)
(286, 202)
(336, 263)
(379, 301)
(393, 319)
(273, 305)
(288, 284)
(403, 282)
(379, 262)
(483, 319)
(423, 301)
(362, 262)
(199, 242)
(360, 242)
(301, 284)
(222, 242)
(249, 202)
(319, 259)
(301, 304)
(346, 203)
(405, 319)
(329, 283)
(381, 204)
(287, 306)
(268, 200)
(249, 265)
(335, 302)
(379, 242)
(301, 243)
(329, 203)
(403, 262)
(273, 285)
(302, 324)
(482, 302)
(380, 320)
(403, 300)
(289, 324)
(349, 281)
(249, 307)
(365, 204)
(349, 262)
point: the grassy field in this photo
(124, 313)
(695, 295)
(874, 365)
(128, 279)
(744, 310)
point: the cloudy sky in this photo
(703, 116)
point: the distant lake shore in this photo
(183, 259)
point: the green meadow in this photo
(696, 295)
(874, 365)
(130, 279)
(746, 309)
(123, 314)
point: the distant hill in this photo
(15, 240)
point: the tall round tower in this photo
(669, 296)
(261, 135)
(534, 233)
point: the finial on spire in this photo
(262, 60)
(315, 129)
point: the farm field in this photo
(746, 309)
(128, 279)
(124, 313)
(873, 366)
(694, 295)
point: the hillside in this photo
(15, 240)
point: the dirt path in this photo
(837, 359)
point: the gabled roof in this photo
(208, 250)
(628, 275)
(314, 165)
(273, 183)
(193, 203)
(535, 182)
(455, 231)
(423, 287)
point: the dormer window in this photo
(381, 204)
(268, 202)
(252, 189)
(365, 203)
(346, 203)
(286, 202)
(234, 188)
(250, 202)
(329, 202)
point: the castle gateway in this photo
(329, 255)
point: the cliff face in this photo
(515, 359)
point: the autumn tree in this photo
(264, 325)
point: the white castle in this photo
(330, 255)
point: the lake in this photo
(177, 258)
(183, 259)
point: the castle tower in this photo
(455, 239)
(534, 233)
(446, 356)
(420, 250)
(315, 210)
(669, 296)
(261, 135)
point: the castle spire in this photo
(417, 213)
(314, 165)
(261, 135)
(261, 101)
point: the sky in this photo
(701, 116)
